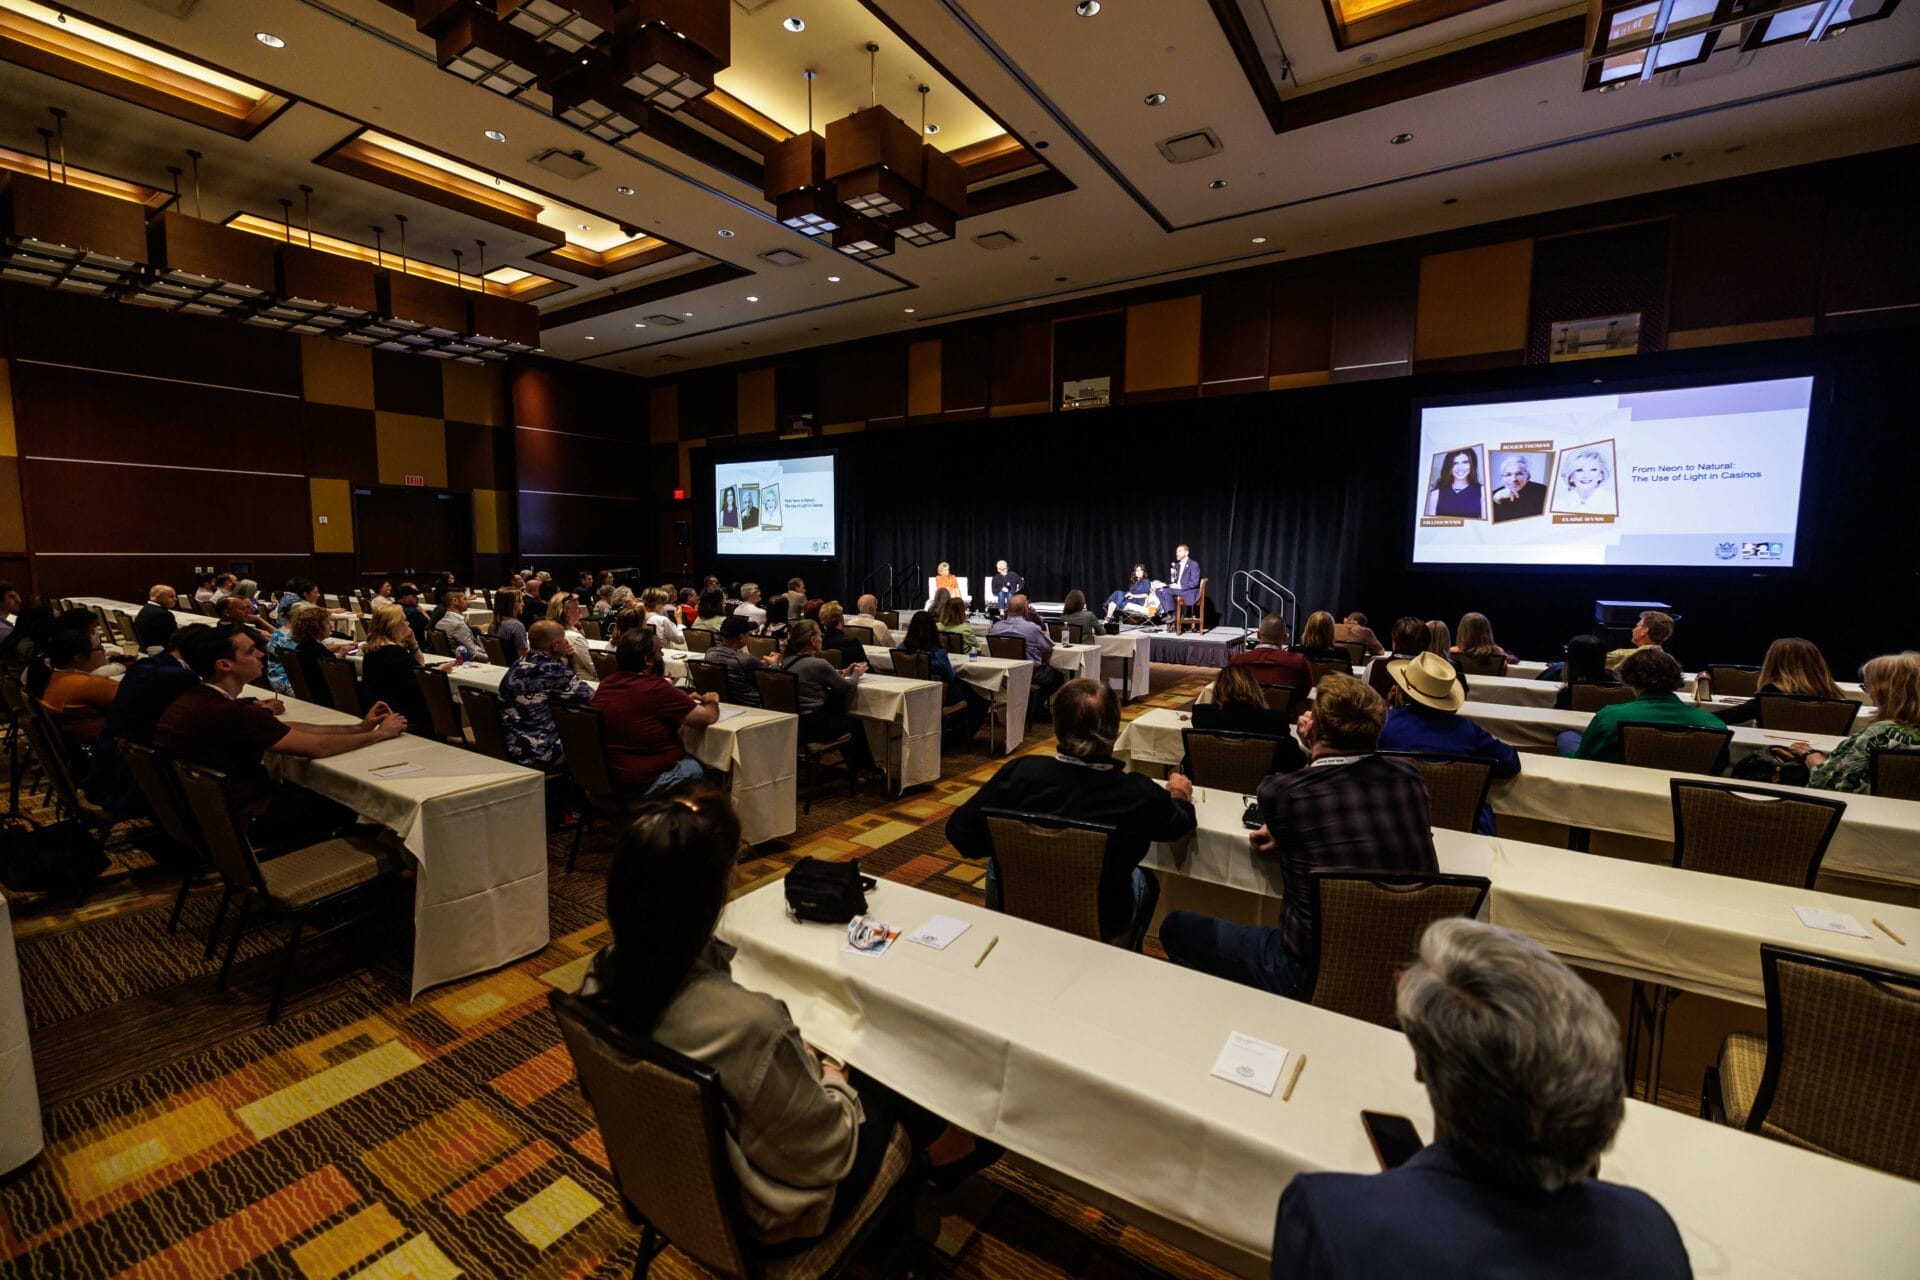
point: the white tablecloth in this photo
(477, 827)
(180, 616)
(1133, 652)
(20, 1136)
(902, 719)
(1093, 1062)
(1512, 691)
(1007, 682)
(1536, 728)
(1153, 738)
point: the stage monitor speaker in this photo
(682, 530)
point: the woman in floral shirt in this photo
(1893, 685)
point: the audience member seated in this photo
(796, 598)
(730, 651)
(1652, 631)
(712, 610)
(1653, 677)
(866, 618)
(1316, 640)
(1074, 613)
(1410, 640)
(661, 618)
(1083, 782)
(686, 606)
(832, 637)
(1586, 663)
(203, 588)
(603, 603)
(1439, 638)
(564, 609)
(1792, 666)
(77, 699)
(1521, 1060)
(529, 690)
(1350, 807)
(750, 604)
(631, 618)
(642, 716)
(1138, 600)
(507, 627)
(223, 585)
(237, 611)
(299, 591)
(1021, 621)
(388, 662)
(953, 621)
(154, 625)
(1239, 705)
(1892, 682)
(1271, 662)
(805, 1136)
(532, 608)
(1425, 717)
(146, 691)
(937, 602)
(1353, 629)
(217, 723)
(408, 598)
(1476, 643)
(775, 626)
(453, 625)
(383, 594)
(308, 627)
(822, 692)
(923, 637)
(10, 605)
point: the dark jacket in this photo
(146, 691)
(153, 626)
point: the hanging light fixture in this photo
(942, 198)
(671, 50)
(203, 267)
(864, 239)
(479, 48)
(567, 25)
(60, 236)
(796, 179)
(873, 156)
(590, 100)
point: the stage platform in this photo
(1205, 649)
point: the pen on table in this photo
(1890, 933)
(1299, 1065)
(992, 942)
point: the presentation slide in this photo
(775, 507)
(1704, 476)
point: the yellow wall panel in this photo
(492, 534)
(753, 402)
(411, 446)
(334, 500)
(333, 372)
(1163, 344)
(663, 413)
(842, 428)
(923, 378)
(1722, 335)
(13, 515)
(472, 393)
(9, 443)
(1473, 301)
(1287, 381)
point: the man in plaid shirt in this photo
(1350, 807)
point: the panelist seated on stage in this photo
(944, 579)
(1521, 1060)
(1140, 598)
(1082, 782)
(1183, 581)
(1350, 807)
(1004, 584)
(1272, 662)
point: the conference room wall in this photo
(1312, 485)
(580, 441)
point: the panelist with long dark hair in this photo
(1456, 491)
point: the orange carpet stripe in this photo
(591, 1145)
(258, 1229)
(480, 1188)
(536, 1077)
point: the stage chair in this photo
(1835, 1071)
(1194, 619)
(1592, 697)
(1792, 713)
(779, 691)
(1731, 681)
(1370, 929)
(1456, 787)
(662, 1123)
(1229, 761)
(1676, 750)
(1049, 872)
(709, 677)
(1894, 772)
(961, 593)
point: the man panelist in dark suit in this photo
(1521, 1060)
(1517, 497)
(1005, 584)
(153, 626)
(1183, 582)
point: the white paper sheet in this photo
(1250, 1063)
(1831, 921)
(939, 932)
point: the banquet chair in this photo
(296, 671)
(1049, 872)
(1591, 697)
(1894, 772)
(1229, 761)
(1730, 681)
(953, 642)
(482, 707)
(662, 1122)
(1753, 833)
(709, 677)
(439, 643)
(583, 740)
(294, 887)
(1792, 713)
(1066, 632)
(836, 658)
(1494, 664)
(1370, 925)
(1835, 1070)
(780, 691)
(890, 618)
(153, 777)
(444, 711)
(1676, 750)
(343, 685)
(912, 666)
(496, 651)
(62, 773)
(1321, 670)
(1279, 697)
(761, 646)
(604, 663)
(1356, 652)
(591, 629)
(1191, 617)
(1457, 786)
(123, 627)
(699, 641)
(1012, 648)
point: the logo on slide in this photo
(1727, 550)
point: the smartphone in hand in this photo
(1394, 1139)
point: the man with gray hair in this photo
(750, 604)
(1082, 782)
(1521, 1060)
(866, 621)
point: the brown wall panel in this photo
(843, 391)
(65, 505)
(753, 402)
(1089, 347)
(604, 530)
(13, 517)
(1300, 326)
(407, 384)
(557, 462)
(1163, 345)
(340, 442)
(575, 398)
(1609, 272)
(1872, 255)
(1373, 310)
(1022, 364)
(1233, 333)
(1474, 302)
(88, 413)
(708, 404)
(923, 379)
(796, 394)
(62, 329)
(1741, 264)
(885, 363)
(471, 460)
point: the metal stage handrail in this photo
(871, 575)
(1249, 609)
(903, 587)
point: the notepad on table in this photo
(1831, 921)
(1250, 1063)
(939, 932)
(401, 770)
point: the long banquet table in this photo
(477, 828)
(1006, 682)
(1536, 729)
(1093, 1062)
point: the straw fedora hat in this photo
(1430, 680)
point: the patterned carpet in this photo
(369, 1136)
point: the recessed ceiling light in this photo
(1259, 239)
(1087, 8)
(586, 226)
(833, 279)
(1216, 184)
(494, 135)
(639, 324)
(687, 314)
(795, 24)
(625, 191)
(269, 39)
(1400, 139)
(752, 298)
(1156, 99)
(589, 337)
(932, 127)
(909, 310)
(724, 234)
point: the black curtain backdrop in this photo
(1313, 487)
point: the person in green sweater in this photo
(1653, 676)
(953, 621)
(1893, 687)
